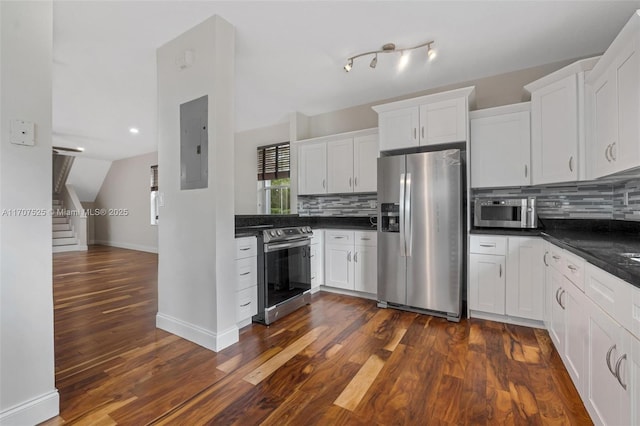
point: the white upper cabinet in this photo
(365, 161)
(312, 168)
(338, 164)
(558, 124)
(614, 86)
(500, 146)
(426, 120)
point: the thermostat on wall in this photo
(23, 132)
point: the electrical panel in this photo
(194, 144)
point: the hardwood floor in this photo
(340, 360)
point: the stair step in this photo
(64, 241)
(63, 234)
(62, 227)
(73, 247)
(60, 220)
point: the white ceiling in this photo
(289, 55)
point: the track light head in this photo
(374, 61)
(349, 65)
(431, 54)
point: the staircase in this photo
(64, 238)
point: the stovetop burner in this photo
(286, 234)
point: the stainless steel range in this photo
(284, 272)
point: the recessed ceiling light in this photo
(134, 130)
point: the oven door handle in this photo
(268, 248)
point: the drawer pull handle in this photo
(562, 305)
(555, 257)
(608, 360)
(245, 248)
(245, 305)
(338, 237)
(245, 273)
(573, 268)
(487, 245)
(501, 270)
(618, 364)
(365, 239)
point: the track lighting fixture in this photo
(391, 48)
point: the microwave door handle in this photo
(403, 247)
(523, 213)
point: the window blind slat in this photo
(274, 161)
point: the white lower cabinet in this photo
(246, 280)
(575, 333)
(506, 277)
(557, 323)
(351, 260)
(317, 259)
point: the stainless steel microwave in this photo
(505, 213)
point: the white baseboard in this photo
(72, 247)
(359, 294)
(34, 411)
(196, 334)
(506, 319)
(148, 249)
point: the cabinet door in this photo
(366, 269)
(626, 152)
(575, 348)
(365, 159)
(315, 267)
(547, 285)
(554, 132)
(501, 150)
(557, 321)
(398, 129)
(608, 401)
(443, 122)
(604, 125)
(340, 166)
(525, 278)
(634, 379)
(312, 168)
(486, 283)
(339, 266)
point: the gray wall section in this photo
(127, 186)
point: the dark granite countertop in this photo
(599, 242)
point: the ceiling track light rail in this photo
(389, 48)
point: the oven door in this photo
(287, 270)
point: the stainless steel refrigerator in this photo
(420, 230)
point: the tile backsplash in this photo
(337, 205)
(581, 200)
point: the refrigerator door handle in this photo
(407, 215)
(403, 245)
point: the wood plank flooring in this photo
(340, 360)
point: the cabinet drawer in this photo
(573, 269)
(246, 303)
(339, 237)
(366, 238)
(612, 294)
(246, 273)
(317, 236)
(246, 247)
(488, 244)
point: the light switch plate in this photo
(23, 132)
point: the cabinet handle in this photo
(560, 299)
(245, 249)
(618, 364)
(350, 182)
(355, 181)
(571, 163)
(245, 273)
(573, 268)
(422, 131)
(500, 268)
(323, 183)
(608, 359)
(544, 258)
(338, 237)
(246, 304)
(555, 257)
(355, 257)
(607, 154)
(365, 238)
(349, 257)
(487, 245)
(526, 170)
(613, 156)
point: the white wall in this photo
(27, 386)
(87, 176)
(196, 288)
(127, 186)
(246, 145)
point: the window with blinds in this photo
(274, 161)
(154, 178)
